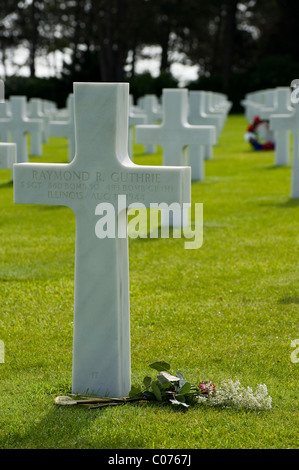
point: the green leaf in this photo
(185, 388)
(167, 387)
(147, 382)
(135, 391)
(160, 365)
(182, 378)
(156, 390)
(180, 398)
(149, 395)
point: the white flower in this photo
(233, 394)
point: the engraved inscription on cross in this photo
(101, 172)
(291, 123)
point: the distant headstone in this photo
(149, 104)
(264, 132)
(290, 122)
(49, 108)
(175, 134)
(66, 128)
(8, 151)
(4, 114)
(8, 155)
(101, 172)
(282, 107)
(2, 98)
(252, 103)
(136, 116)
(35, 111)
(198, 116)
(18, 125)
(211, 111)
(221, 103)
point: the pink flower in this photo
(206, 387)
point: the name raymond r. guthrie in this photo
(116, 177)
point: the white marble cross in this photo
(8, 151)
(221, 102)
(4, 114)
(49, 108)
(18, 125)
(8, 155)
(2, 97)
(270, 104)
(136, 116)
(37, 139)
(210, 111)
(101, 172)
(66, 128)
(252, 103)
(35, 111)
(264, 132)
(175, 134)
(290, 123)
(149, 104)
(210, 108)
(282, 107)
(198, 116)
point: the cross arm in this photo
(58, 128)
(201, 135)
(34, 125)
(209, 120)
(148, 134)
(157, 184)
(280, 122)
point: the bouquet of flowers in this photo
(177, 391)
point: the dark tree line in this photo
(229, 40)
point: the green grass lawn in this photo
(226, 310)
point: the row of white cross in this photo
(102, 170)
(275, 106)
(40, 119)
(190, 121)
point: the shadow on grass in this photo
(78, 427)
(276, 167)
(60, 428)
(288, 204)
(7, 184)
(71, 427)
(289, 300)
